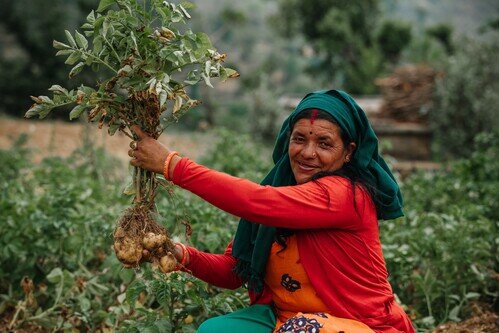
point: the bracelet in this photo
(183, 261)
(166, 166)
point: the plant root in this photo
(139, 238)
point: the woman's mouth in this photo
(306, 167)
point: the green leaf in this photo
(45, 111)
(133, 291)
(125, 70)
(60, 46)
(89, 61)
(64, 52)
(72, 243)
(85, 304)
(46, 99)
(58, 89)
(163, 96)
(113, 128)
(77, 111)
(454, 313)
(104, 4)
(203, 44)
(98, 43)
(207, 80)
(73, 58)
(34, 110)
(98, 23)
(134, 40)
(229, 72)
(223, 74)
(70, 39)
(81, 40)
(163, 325)
(87, 26)
(207, 67)
(55, 275)
(178, 104)
(472, 295)
(184, 11)
(91, 17)
(76, 69)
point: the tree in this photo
(340, 33)
(443, 34)
(393, 38)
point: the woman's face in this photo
(316, 146)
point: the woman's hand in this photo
(147, 152)
(174, 261)
(181, 254)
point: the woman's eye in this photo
(297, 139)
(324, 145)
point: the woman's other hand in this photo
(147, 152)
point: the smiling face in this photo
(316, 146)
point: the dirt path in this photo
(49, 138)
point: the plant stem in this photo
(136, 179)
(20, 306)
(126, 133)
(112, 48)
(96, 58)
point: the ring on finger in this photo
(133, 145)
(131, 153)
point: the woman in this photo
(307, 246)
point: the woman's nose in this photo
(308, 151)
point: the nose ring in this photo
(314, 155)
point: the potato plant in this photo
(150, 58)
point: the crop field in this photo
(59, 272)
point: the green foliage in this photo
(441, 257)
(177, 303)
(393, 38)
(424, 49)
(466, 99)
(50, 237)
(444, 254)
(442, 33)
(150, 57)
(342, 34)
(45, 202)
(144, 61)
(59, 216)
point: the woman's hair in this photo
(347, 171)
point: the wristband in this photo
(183, 261)
(166, 166)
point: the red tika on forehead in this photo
(313, 116)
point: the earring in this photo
(347, 159)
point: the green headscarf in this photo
(253, 241)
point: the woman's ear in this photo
(350, 150)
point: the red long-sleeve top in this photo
(337, 236)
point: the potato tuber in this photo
(168, 263)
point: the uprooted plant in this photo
(150, 57)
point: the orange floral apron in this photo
(298, 308)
